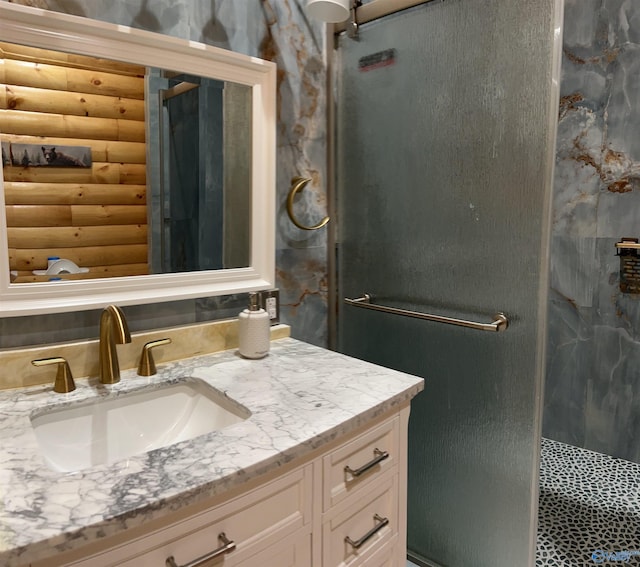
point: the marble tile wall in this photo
(592, 394)
(277, 30)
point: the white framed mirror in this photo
(240, 219)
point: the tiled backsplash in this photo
(82, 356)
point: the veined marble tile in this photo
(623, 19)
(577, 181)
(296, 45)
(303, 293)
(624, 102)
(570, 342)
(239, 26)
(592, 381)
(618, 213)
(573, 268)
(613, 395)
(583, 85)
(580, 23)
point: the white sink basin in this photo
(110, 429)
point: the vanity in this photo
(312, 473)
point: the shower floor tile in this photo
(589, 508)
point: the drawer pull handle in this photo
(382, 522)
(379, 456)
(227, 547)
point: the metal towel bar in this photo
(499, 324)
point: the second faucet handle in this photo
(147, 366)
(64, 380)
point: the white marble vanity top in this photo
(300, 397)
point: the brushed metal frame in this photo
(374, 10)
(500, 323)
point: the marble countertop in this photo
(300, 398)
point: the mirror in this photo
(166, 192)
(115, 169)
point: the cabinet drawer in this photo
(253, 522)
(387, 556)
(355, 532)
(367, 457)
(292, 552)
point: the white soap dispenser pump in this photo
(253, 330)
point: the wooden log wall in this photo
(96, 216)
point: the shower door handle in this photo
(499, 324)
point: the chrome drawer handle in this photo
(382, 522)
(379, 456)
(227, 547)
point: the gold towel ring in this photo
(297, 184)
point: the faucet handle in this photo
(64, 380)
(147, 366)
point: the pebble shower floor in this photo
(589, 510)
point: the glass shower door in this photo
(445, 130)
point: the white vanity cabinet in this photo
(268, 525)
(364, 495)
(344, 506)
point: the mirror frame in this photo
(51, 30)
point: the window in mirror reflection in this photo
(165, 182)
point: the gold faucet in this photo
(113, 328)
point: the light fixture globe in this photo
(329, 11)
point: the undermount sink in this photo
(109, 429)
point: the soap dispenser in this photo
(253, 330)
